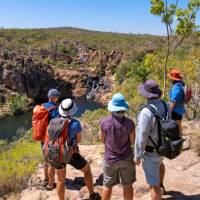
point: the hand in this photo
(137, 162)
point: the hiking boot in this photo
(95, 196)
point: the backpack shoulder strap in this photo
(154, 112)
(50, 108)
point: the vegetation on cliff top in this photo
(18, 162)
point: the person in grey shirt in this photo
(145, 151)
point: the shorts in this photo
(77, 161)
(175, 116)
(120, 172)
(151, 165)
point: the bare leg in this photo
(155, 192)
(180, 126)
(162, 173)
(128, 192)
(46, 177)
(51, 175)
(88, 178)
(60, 186)
(106, 193)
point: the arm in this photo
(78, 137)
(101, 135)
(143, 130)
(132, 138)
(171, 106)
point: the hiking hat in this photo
(53, 93)
(67, 108)
(175, 75)
(118, 103)
(150, 89)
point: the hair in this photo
(119, 113)
(52, 98)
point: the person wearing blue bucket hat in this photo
(117, 132)
(118, 103)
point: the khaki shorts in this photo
(120, 172)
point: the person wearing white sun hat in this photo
(67, 109)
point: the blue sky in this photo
(127, 16)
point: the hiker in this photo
(42, 114)
(147, 127)
(176, 96)
(67, 109)
(117, 132)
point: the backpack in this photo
(57, 150)
(40, 121)
(169, 140)
(187, 94)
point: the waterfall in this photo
(94, 86)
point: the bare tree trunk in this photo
(166, 61)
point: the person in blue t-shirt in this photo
(176, 95)
(49, 172)
(67, 109)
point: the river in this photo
(12, 126)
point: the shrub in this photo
(90, 123)
(17, 162)
(18, 104)
(130, 69)
(130, 90)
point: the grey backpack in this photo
(57, 150)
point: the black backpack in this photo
(169, 140)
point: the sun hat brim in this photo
(114, 108)
(68, 113)
(149, 95)
(174, 78)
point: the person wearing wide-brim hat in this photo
(67, 109)
(145, 151)
(176, 95)
(117, 132)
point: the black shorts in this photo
(78, 161)
(175, 116)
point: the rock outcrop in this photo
(86, 82)
(33, 78)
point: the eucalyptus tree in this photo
(179, 22)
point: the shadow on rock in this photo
(180, 196)
(75, 184)
(99, 180)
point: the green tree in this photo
(182, 20)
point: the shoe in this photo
(162, 188)
(50, 187)
(44, 183)
(95, 196)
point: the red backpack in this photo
(57, 151)
(40, 120)
(187, 94)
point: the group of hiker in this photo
(157, 120)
